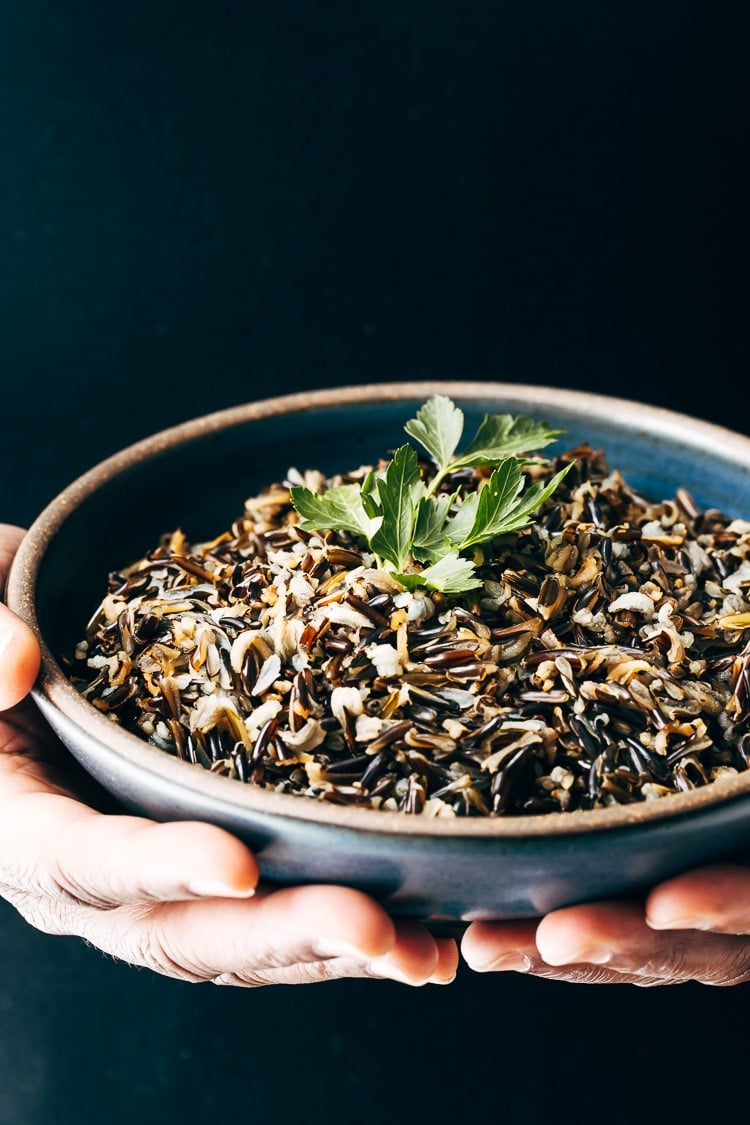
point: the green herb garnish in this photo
(417, 532)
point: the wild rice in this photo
(604, 661)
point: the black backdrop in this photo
(205, 203)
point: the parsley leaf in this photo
(438, 427)
(338, 509)
(499, 508)
(399, 491)
(429, 543)
(532, 499)
(501, 435)
(451, 575)
(416, 530)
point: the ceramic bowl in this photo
(197, 475)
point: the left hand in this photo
(695, 927)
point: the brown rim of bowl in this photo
(54, 687)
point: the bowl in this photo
(444, 870)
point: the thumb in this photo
(19, 651)
(19, 659)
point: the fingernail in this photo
(506, 963)
(384, 967)
(591, 955)
(684, 923)
(442, 980)
(207, 888)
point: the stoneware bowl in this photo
(197, 475)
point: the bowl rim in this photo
(54, 693)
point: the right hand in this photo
(694, 927)
(180, 898)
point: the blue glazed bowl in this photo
(197, 475)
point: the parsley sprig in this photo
(419, 532)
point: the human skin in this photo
(691, 928)
(183, 899)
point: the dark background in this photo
(205, 203)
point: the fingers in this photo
(277, 931)
(608, 943)
(53, 846)
(500, 946)
(616, 936)
(447, 962)
(292, 936)
(416, 957)
(511, 947)
(710, 898)
(177, 898)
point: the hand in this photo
(181, 898)
(695, 927)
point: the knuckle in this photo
(150, 945)
(304, 972)
(61, 887)
(316, 972)
(574, 974)
(49, 916)
(730, 969)
(241, 980)
(671, 963)
(722, 964)
(728, 962)
(645, 981)
(47, 879)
